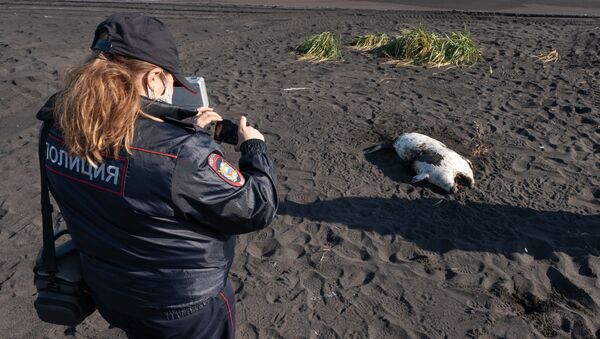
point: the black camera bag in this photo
(63, 297)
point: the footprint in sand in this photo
(522, 164)
(298, 180)
(294, 236)
(567, 288)
(265, 248)
(294, 251)
(313, 282)
(356, 279)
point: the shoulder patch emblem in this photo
(225, 171)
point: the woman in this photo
(149, 201)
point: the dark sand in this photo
(356, 250)
(562, 7)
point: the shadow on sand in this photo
(449, 225)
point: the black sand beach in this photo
(357, 251)
(544, 7)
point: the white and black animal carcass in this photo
(432, 161)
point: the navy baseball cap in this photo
(142, 37)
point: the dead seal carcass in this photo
(432, 161)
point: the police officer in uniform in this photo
(150, 202)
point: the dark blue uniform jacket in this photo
(156, 227)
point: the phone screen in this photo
(226, 131)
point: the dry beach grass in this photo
(545, 57)
(321, 47)
(370, 41)
(425, 48)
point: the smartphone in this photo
(226, 131)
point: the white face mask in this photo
(167, 96)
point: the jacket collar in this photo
(151, 107)
(46, 112)
(163, 110)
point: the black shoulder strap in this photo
(49, 253)
(185, 125)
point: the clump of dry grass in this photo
(321, 47)
(460, 49)
(423, 48)
(412, 47)
(368, 42)
(546, 57)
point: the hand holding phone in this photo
(247, 132)
(206, 116)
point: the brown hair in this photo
(97, 110)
